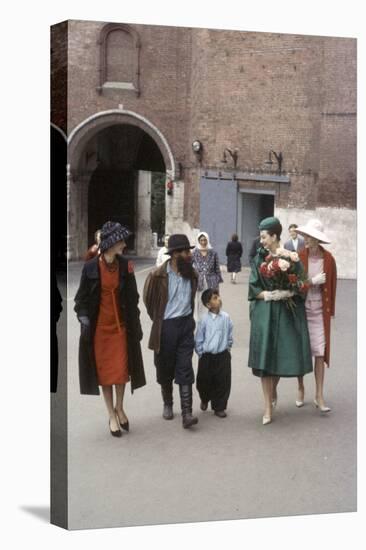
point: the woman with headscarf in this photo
(320, 304)
(279, 340)
(206, 263)
(106, 306)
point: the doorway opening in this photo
(253, 207)
(121, 152)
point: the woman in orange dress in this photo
(106, 306)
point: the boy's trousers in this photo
(214, 379)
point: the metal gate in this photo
(218, 211)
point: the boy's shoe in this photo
(221, 414)
(203, 406)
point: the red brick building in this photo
(132, 99)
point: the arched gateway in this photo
(118, 163)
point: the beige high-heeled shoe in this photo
(322, 408)
(300, 402)
(266, 420)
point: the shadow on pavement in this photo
(41, 512)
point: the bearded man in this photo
(169, 293)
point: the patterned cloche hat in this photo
(112, 233)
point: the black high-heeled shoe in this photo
(115, 433)
(125, 425)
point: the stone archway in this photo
(88, 154)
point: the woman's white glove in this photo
(319, 279)
(282, 294)
(267, 295)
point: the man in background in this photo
(296, 242)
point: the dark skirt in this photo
(233, 263)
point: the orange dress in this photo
(110, 340)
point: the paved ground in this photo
(303, 463)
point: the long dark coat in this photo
(87, 302)
(234, 251)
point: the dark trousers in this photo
(214, 379)
(174, 361)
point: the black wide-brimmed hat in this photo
(178, 242)
(112, 233)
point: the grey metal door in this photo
(218, 211)
(254, 208)
(249, 222)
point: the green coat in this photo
(279, 338)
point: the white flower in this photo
(283, 264)
(283, 252)
(294, 257)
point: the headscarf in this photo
(203, 234)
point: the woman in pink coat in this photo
(319, 305)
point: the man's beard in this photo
(185, 267)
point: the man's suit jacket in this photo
(289, 245)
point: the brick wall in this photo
(261, 91)
(59, 58)
(164, 79)
(246, 90)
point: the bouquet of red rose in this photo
(284, 271)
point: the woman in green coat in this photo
(279, 339)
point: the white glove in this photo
(319, 279)
(282, 294)
(267, 295)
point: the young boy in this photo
(214, 339)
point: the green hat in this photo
(268, 223)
